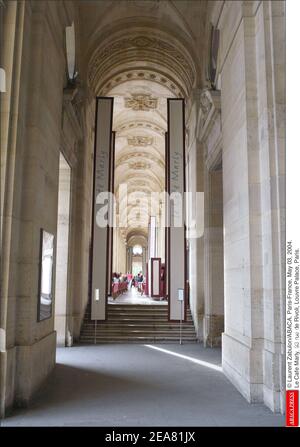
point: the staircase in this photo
(136, 324)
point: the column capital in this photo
(209, 105)
(249, 7)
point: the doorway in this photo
(62, 252)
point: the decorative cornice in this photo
(209, 102)
(71, 98)
(139, 140)
(141, 101)
(139, 165)
(140, 124)
(144, 155)
(145, 74)
(156, 53)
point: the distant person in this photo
(140, 281)
(129, 279)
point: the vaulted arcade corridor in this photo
(142, 186)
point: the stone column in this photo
(12, 57)
(270, 59)
(62, 252)
(195, 183)
(252, 55)
(34, 138)
(213, 324)
(144, 260)
(129, 265)
(210, 135)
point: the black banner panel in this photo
(102, 184)
(111, 216)
(176, 209)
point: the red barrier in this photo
(118, 288)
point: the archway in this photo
(140, 72)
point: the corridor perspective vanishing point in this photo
(142, 213)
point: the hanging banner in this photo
(155, 277)
(152, 240)
(102, 185)
(111, 211)
(175, 174)
(166, 215)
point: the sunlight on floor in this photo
(186, 357)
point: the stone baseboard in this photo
(213, 327)
(254, 372)
(274, 377)
(8, 373)
(236, 363)
(34, 364)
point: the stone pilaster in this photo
(252, 339)
(210, 134)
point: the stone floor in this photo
(134, 297)
(134, 385)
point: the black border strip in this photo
(184, 190)
(159, 260)
(93, 208)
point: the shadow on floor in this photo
(68, 384)
(132, 385)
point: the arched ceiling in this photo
(140, 53)
(134, 39)
(140, 123)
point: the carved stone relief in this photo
(140, 101)
(146, 48)
(205, 106)
(140, 140)
(139, 165)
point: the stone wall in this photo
(195, 183)
(41, 126)
(251, 64)
(119, 252)
(235, 155)
(209, 134)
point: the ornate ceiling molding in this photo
(209, 107)
(140, 140)
(140, 179)
(144, 74)
(139, 165)
(141, 101)
(140, 125)
(144, 155)
(159, 54)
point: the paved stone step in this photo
(138, 306)
(143, 311)
(137, 328)
(134, 319)
(153, 321)
(137, 340)
(136, 312)
(139, 325)
(139, 333)
(121, 315)
(134, 341)
(130, 308)
(158, 309)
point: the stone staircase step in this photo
(128, 323)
